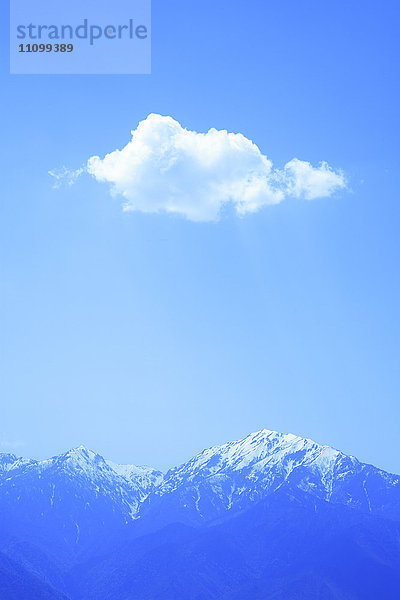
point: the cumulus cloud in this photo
(166, 168)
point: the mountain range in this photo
(270, 517)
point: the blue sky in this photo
(149, 337)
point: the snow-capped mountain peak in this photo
(79, 455)
(234, 474)
(71, 503)
(222, 478)
(260, 452)
(82, 474)
(82, 451)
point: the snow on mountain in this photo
(6, 462)
(87, 472)
(147, 477)
(258, 455)
(10, 462)
(67, 504)
(218, 481)
(78, 509)
(228, 477)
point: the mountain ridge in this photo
(79, 516)
(120, 467)
(260, 461)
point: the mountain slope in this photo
(69, 503)
(16, 583)
(228, 478)
(287, 547)
(268, 517)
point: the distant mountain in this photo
(79, 511)
(69, 503)
(228, 478)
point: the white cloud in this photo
(65, 176)
(304, 180)
(166, 168)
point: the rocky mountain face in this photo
(228, 478)
(289, 546)
(68, 504)
(71, 520)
